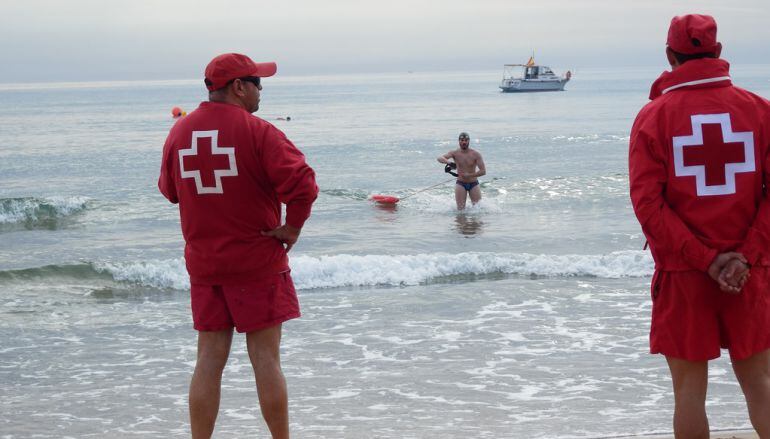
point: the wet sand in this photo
(734, 435)
(743, 434)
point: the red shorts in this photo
(692, 318)
(247, 307)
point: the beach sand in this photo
(734, 435)
(714, 435)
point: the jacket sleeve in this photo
(756, 245)
(291, 177)
(166, 182)
(667, 234)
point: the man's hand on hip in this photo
(287, 234)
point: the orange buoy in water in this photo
(384, 199)
(390, 201)
(177, 112)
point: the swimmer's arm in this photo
(445, 158)
(482, 167)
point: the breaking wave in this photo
(310, 272)
(592, 138)
(33, 213)
(350, 270)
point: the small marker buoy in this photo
(178, 112)
(384, 199)
(390, 200)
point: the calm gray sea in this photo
(525, 316)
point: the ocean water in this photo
(524, 316)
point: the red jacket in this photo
(230, 171)
(699, 168)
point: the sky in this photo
(92, 40)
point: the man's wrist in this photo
(292, 229)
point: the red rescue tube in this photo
(384, 199)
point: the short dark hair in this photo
(682, 58)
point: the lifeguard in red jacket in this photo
(230, 172)
(699, 171)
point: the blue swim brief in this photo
(468, 186)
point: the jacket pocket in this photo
(657, 280)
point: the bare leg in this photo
(460, 196)
(475, 194)
(265, 355)
(753, 374)
(690, 380)
(205, 387)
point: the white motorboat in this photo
(531, 77)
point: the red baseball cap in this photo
(692, 33)
(226, 67)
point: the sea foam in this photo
(168, 273)
(345, 270)
(34, 211)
